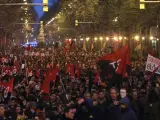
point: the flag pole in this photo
(63, 87)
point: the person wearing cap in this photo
(126, 112)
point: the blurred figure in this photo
(69, 114)
(126, 112)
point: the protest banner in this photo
(152, 64)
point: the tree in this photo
(103, 12)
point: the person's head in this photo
(69, 113)
(134, 95)
(124, 104)
(87, 95)
(53, 97)
(101, 95)
(36, 117)
(123, 92)
(74, 96)
(94, 96)
(2, 110)
(114, 93)
(18, 109)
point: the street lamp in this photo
(120, 38)
(81, 39)
(115, 38)
(95, 38)
(143, 38)
(87, 38)
(136, 37)
(101, 38)
(107, 38)
(151, 38)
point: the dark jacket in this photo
(128, 113)
(83, 112)
(100, 111)
(113, 111)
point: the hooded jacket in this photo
(128, 113)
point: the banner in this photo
(116, 62)
(7, 85)
(152, 64)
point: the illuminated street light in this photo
(81, 39)
(151, 38)
(120, 38)
(136, 37)
(143, 38)
(95, 38)
(101, 38)
(115, 38)
(87, 38)
(107, 38)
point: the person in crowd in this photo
(73, 95)
(114, 110)
(69, 114)
(126, 112)
(2, 113)
(123, 93)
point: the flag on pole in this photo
(116, 62)
(8, 85)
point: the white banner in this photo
(152, 64)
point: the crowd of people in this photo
(74, 97)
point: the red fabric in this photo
(77, 72)
(37, 73)
(122, 69)
(152, 52)
(70, 69)
(6, 70)
(124, 55)
(8, 84)
(54, 73)
(45, 88)
(28, 48)
(97, 78)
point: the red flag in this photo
(8, 85)
(45, 88)
(70, 69)
(37, 73)
(118, 61)
(54, 73)
(125, 60)
(77, 72)
(28, 48)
